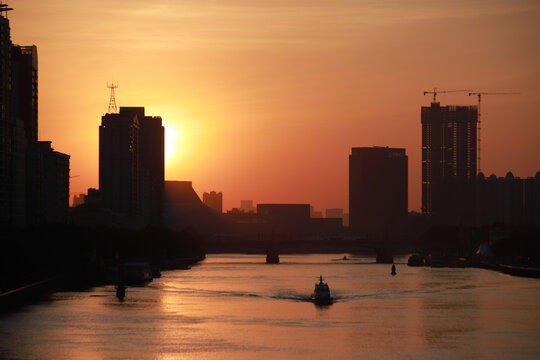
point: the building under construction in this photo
(449, 161)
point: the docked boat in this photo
(137, 272)
(415, 260)
(321, 294)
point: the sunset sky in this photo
(263, 100)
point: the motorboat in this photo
(321, 294)
(272, 257)
(120, 292)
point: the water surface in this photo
(238, 307)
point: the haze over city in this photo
(264, 100)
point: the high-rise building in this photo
(24, 90)
(6, 128)
(119, 164)
(247, 206)
(132, 166)
(377, 189)
(23, 167)
(151, 165)
(213, 200)
(48, 190)
(449, 162)
(334, 213)
(285, 218)
(509, 199)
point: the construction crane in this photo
(479, 94)
(435, 92)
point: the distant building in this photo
(285, 218)
(78, 199)
(313, 213)
(214, 200)
(377, 189)
(48, 192)
(247, 206)
(346, 219)
(449, 153)
(182, 209)
(131, 166)
(334, 213)
(509, 199)
(531, 199)
(239, 216)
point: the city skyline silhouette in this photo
(299, 92)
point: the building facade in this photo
(48, 193)
(119, 164)
(378, 189)
(449, 153)
(24, 161)
(132, 166)
(508, 200)
(151, 165)
(6, 128)
(213, 200)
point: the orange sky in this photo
(263, 100)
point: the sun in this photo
(173, 143)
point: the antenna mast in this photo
(4, 8)
(112, 101)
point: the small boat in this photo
(393, 272)
(321, 294)
(272, 257)
(121, 292)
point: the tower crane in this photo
(479, 94)
(435, 92)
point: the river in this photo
(238, 307)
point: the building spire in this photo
(112, 101)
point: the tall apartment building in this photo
(378, 193)
(151, 165)
(119, 164)
(6, 128)
(449, 162)
(214, 200)
(131, 166)
(19, 177)
(509, 199)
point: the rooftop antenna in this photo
(112, 101)
(4, 8)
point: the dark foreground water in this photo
(237, 307)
